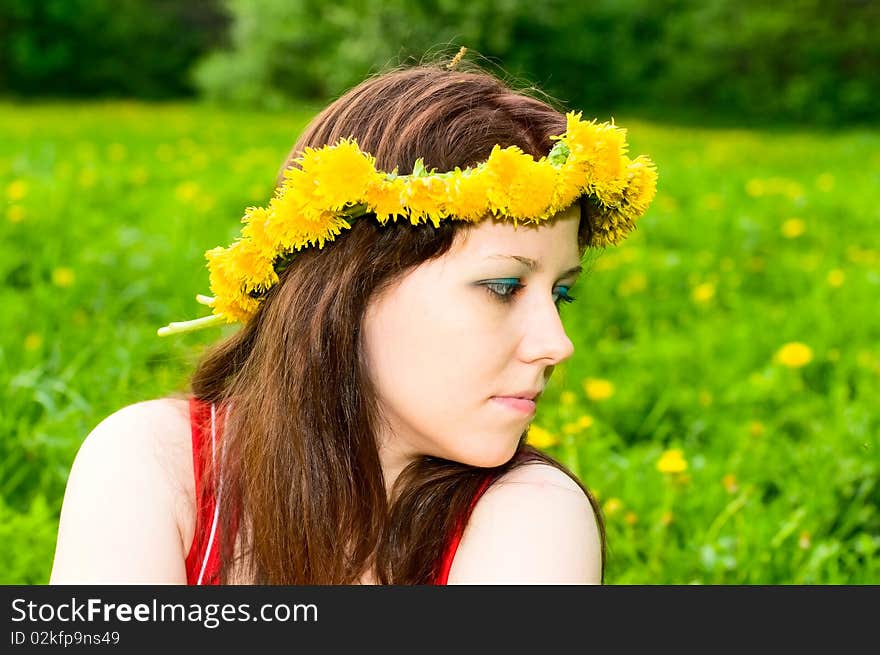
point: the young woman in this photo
(368, 423)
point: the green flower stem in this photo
(191, 326)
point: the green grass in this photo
(108, 209)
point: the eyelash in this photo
(508, 297)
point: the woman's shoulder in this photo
(158, 430)
(533, 525)
(126, 498)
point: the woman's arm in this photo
(534, 526)
(118, 523)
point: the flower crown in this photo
(337, 183)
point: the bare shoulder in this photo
(125, 498)
(534, 525)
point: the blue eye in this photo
(505, 291)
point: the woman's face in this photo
(443, 347)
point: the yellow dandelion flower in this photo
(116, 152)
(251, 265)
(756, 428)
(16, 190)
(703, 293)
(567, 398)
(33, 341)
(340, 174)
(586, 421)
(87, 178)
(139, 176)
(836, 277)
(385, 197)
(164, 153)
(63, 277)
(635, 282)
(467, 195)
(712, 201)
(825, 182)
(666, 518)
(425, 198)
(631, 517)
(541, 438)
(187, 191)
(804, 540)
(794, 355)
(672, 461)
(598, 389)
(730, 483)
(612, 506)
(600, 149)
(15, 213)
(793, 228)
(516, 186)
(641, 186)
(571, 428)
(755, 188)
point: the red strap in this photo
(449, 555)
(200, 427)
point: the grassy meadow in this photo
(721, 402)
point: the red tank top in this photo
(203, 559)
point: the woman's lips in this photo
(523, 405)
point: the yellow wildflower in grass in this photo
(139, 176)
(666, 518)
(804, 540)
(631, 517)
(187, 191)
(712, 201)
(703, 293)
(730, 483)
(567, 398)
(541, 438)
(116, 152)
(634, 283)
(793, 190)
(598, 389)
(164, 153)
(15, 213)
(704, 398)
(612, 506)
(755, 188)
(33, 341)
(585, 421)
(794, 355)
(87, 178)
(793, 228)
(16, 190)
(756, 428)
(825, 182)
(63, 277)
(672, 461)
(835, 277)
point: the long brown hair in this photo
(299, 458)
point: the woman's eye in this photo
(505, 291)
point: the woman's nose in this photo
(544, 336)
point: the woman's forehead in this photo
(556, 237)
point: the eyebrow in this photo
(533, 265)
